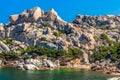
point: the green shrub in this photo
(107, 52)
(26, 57)
(43, 39)
(6, 40)
(1, 58)
(9, 55)
(58, 33)
(72, 52)
(104, 37)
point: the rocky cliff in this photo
(35, 27)
(46, 28)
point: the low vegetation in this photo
(111, 52)
(43, 38)
(39, 51)
(6, 40)
(9, 55)
(72, 52)
(57, 33)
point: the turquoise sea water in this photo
(58, 74)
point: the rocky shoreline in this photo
(106, 67)
(39, 64)
(45, 64)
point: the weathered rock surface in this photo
(30, 67)
(14, 18)
(88, 41)
(19, 44)
(3, 47)
(2, 30)
(36, 64)
(106, 67)
(109, 21)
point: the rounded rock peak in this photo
(35, 8)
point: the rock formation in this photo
(3, 47)
(35, 64)
(109, 21)
(35, 27)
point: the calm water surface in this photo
(59, 74)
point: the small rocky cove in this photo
(37, 39)
(43, 64)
